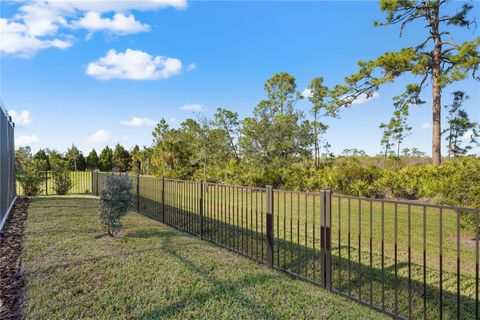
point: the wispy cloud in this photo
(101, 136)
(363, 98)
(22, 118)
(193, 107)
(138, 122)
(27, 140)
(133, 65)
(119, 24)
(426, 126)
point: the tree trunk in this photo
(436, 93)
(436, 120)
(317, 153)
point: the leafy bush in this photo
(62, 180)
(32, 176)
(399, 183)
(115, 201)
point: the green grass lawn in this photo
(152, 271)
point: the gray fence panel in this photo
(7, 166)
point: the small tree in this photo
(115, 201)
(61, 176)
(418, 153)
(387, 138)
(459, 126)
(32, 175)
(401, 129)
(317, 94)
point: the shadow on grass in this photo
(220, 289)
(393, 293)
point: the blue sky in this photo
(82, 71)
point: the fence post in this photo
(97, 191)
(269, 215)
(163, 199)
(46, 182)
(325, 239)
(201, 209)
(138, 193)
(92, 183)
(328, 239)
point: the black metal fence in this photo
(7, 166)
(407, 259)
(81, 183)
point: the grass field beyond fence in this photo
(407, 259)
(81, 183)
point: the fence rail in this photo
(407, 259)
(7, 166)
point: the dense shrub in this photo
(62, 180)
(115, 201)
(32, 176)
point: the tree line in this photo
(119, 159)
(258, 149)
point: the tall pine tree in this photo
(437, 60)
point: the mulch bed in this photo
(11, 248)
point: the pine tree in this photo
(72, 157)
(318, 92)
(81, 162)
(436, 61)
(42, 155)
(92, 160)
(121, 159)
(387, 138)
(105, 159)
(459, 127)
(136, 163)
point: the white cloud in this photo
(133, 65)
(122, 6)
(173, 120)
(120, 24)
(138, 122)
(307, 93)
(45, 24)
(26, 140)
(364, 98)
(101, 136)
(17, 39)
(193, 107)
(21, 118)
(426, 126)
(191, 66)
